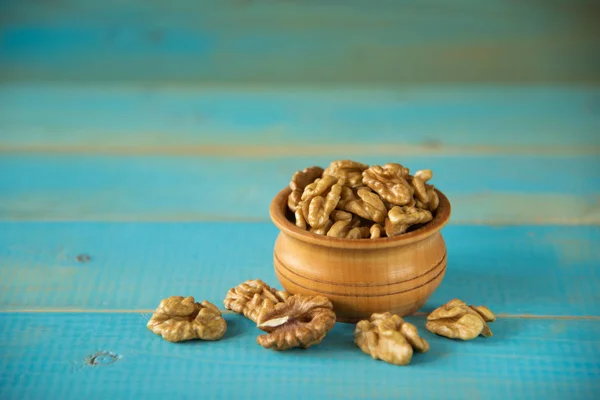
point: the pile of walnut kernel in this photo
(294, 320)
(352, 200)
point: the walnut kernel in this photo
(300, 321)
(456, 320)
(350, 171)
(401, 218)
(347, 190)
(179, 318)
(250, 297)
(389, 338)
(319, 200)
(299, 181)
(389, 182)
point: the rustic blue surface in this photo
(483, 189)
(525, 359)
(141, 143)
(253, 41)
(514, 269)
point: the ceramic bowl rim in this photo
(278, 209)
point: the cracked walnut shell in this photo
(300, 321)
(250, 297)
(179, 318)
(457, 320)
(389, 338)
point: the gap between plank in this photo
(193, 218)
(150, 311)
(299, 150)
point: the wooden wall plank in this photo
(485, 189)
(300, 42)
(131, 266)
(48, 355)
(438, 120)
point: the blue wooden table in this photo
(141, 145)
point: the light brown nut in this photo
(320, 208)
(365, 204)
(319, 187)
(389, 182)
(411, 334)
(339, 229)
(250, 297)
(300, 321)
(355, 233)
(486, 313)
(375, 231)
(339, 215)
(420, 191)
(389, 338)
(456, 320)
(466, 327)
(399, 219)
(350, 171)
(319, 200)
(179, 318)
(434, 200)
(394, 229)
(323, 229)
(453, 308)
(424, 174)
(300, 219)
(300, 180)
(346, 195)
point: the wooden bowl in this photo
(361, 276)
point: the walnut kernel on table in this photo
(179, 318)
(389, 338)
(324, 201)
(457, 320)
(300, 321)
(250, 297)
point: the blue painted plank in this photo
(485, 189)
(514, 270)
(302, 121)
(300, 42)
(48, 355)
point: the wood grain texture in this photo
(486, 189)
(308, 121)
(299, 42)
(524, 359)
(132, 266)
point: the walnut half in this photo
(250, 297)
(456, 320)
(389, 338)
(299, 181)
(179, 318)
(300, 321)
